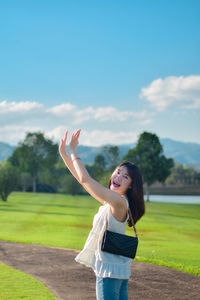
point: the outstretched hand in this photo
(62, 146)
(72, 145)
(74, 141)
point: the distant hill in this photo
(88, 154)
(185, 153)
(5, 150)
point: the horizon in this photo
(118, 145)
(114, 69)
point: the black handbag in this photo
(120, 244)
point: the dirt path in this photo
(67, 279)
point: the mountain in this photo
(5, 150)
(185, 153)
(88, 154)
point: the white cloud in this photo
(21, 113)
(180, 91)
(12, 134)
(102, 114)
(103, 137)
(96, 137)
(7, 107)
(112, 114)
(103, 124)
(62, 109)
(84, 115)
(57, 133)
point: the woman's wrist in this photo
(74, 156)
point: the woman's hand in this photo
(62, 146)
(74, 142)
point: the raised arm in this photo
(67, 160)
(96, 190)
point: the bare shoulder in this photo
(119, 211)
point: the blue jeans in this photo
(111, 289)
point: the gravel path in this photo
(69, 280)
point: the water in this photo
(174, 199)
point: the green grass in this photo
(168, 233)
(18, 285)
(169, 236)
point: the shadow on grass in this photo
(41, 213)
(54, 205)
(49, 205)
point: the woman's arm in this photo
(67, 160)
(96, 190)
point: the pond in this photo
(174, 198)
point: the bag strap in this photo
(131, 217)
(133, 224)
(130, 214)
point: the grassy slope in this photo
(169, 233)
(18, 285)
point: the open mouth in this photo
(116, 185)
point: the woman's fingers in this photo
(74, 136)
(63, 141)
(77, 133)
(66, 133)
(73, 141)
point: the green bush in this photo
(69, 185)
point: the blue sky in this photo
(113, 68)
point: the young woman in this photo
(125, 190)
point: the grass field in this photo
(168, 233)
(18, 285)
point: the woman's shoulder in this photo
(126, 199)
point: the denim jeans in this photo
(111, 289)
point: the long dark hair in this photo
(135, 193)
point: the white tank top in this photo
(105, 264)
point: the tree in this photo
(148, 156)
(112, 156)
(35, 154)
(25, 181)
(183, 175)
(70, 185)
(8, 179)
(104, 180)
(99, 166)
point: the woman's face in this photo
(120, 180)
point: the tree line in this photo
(35, 165)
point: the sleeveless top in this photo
(105, 264)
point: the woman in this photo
(125, 190)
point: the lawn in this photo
(18, 285)
(168, 233)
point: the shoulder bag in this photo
(120, 244)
